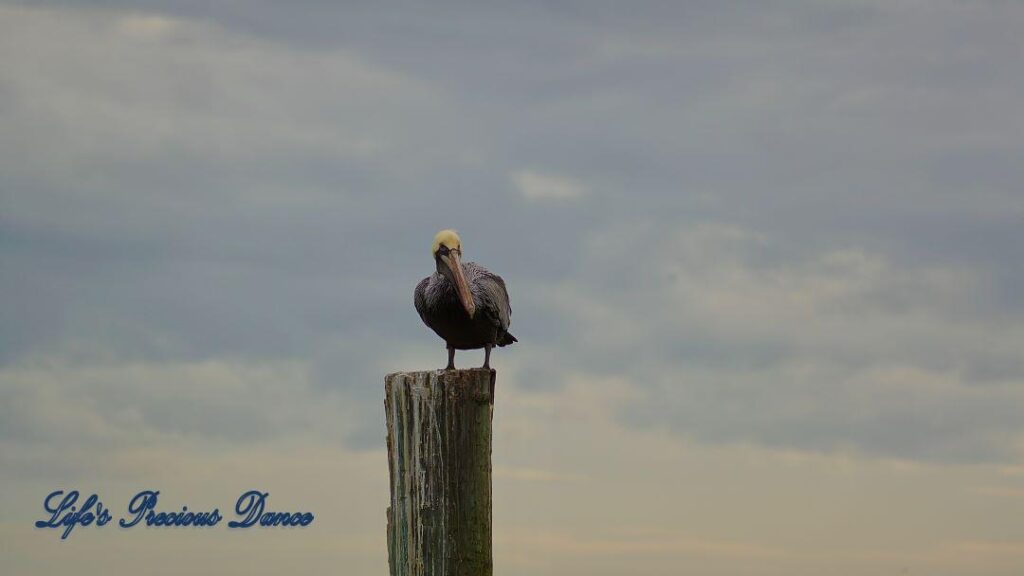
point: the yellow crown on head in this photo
(448, 238)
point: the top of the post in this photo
(477, 383)
(440, 373)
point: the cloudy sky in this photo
(764, 261)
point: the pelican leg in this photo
(451, 358)
(487, 357)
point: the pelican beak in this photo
(455, 268)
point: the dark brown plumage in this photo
(474, 316)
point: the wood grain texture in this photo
(439, 457)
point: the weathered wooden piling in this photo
(439, 456)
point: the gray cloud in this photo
(836, 351)
(808, 211)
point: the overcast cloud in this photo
(784, 226)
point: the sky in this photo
(763, 260)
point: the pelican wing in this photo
(490, 294)
(419, 299)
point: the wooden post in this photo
(439, 456)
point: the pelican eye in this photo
(442, 250)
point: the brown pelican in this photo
(464, 303)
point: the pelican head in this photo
(447, 251)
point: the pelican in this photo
(464, 304)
